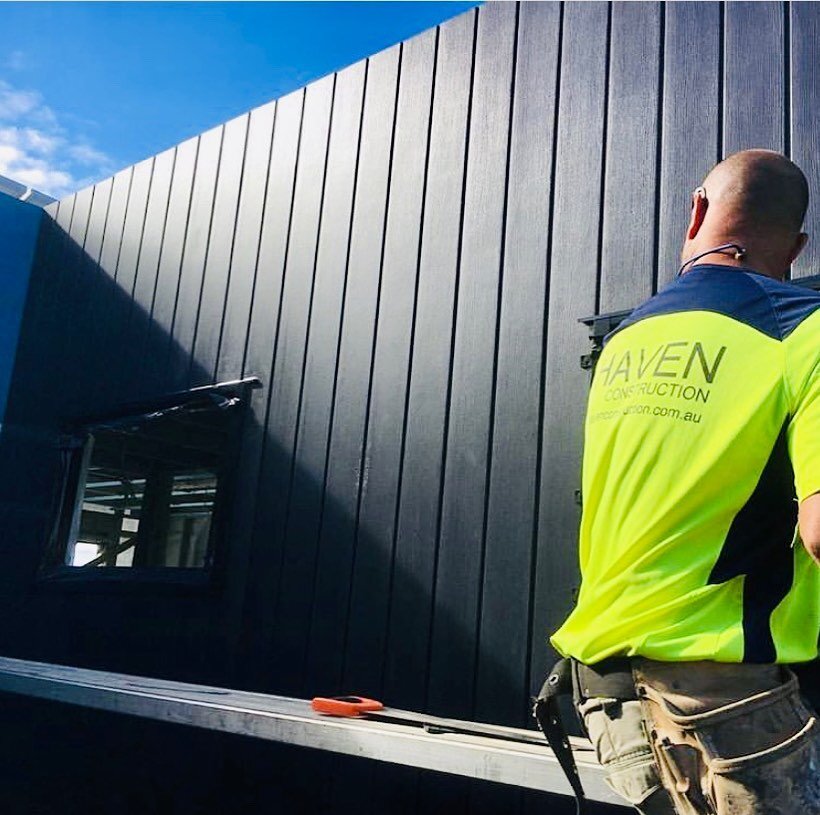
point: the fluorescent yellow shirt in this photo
(702, 430)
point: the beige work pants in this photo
(710, 738)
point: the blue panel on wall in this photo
(19, 223)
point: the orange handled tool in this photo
(360, 707)
(345, 705)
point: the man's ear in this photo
(699, 206)
(798, 246)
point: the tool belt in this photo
(611, 678)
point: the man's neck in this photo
(728, 257)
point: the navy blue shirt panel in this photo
(771, 307)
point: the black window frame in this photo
(232, 396)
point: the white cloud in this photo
(86, 154)
(30, 139)
(30, 170)
(15, 103)
(38, 150)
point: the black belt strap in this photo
(548, 715)
(611, 678)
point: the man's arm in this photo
(808, 521)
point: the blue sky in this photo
(88, 88)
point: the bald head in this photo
(754, 199)
(759, 189)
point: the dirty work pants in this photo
(709, 738)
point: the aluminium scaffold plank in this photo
(292, 721)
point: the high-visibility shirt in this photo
(702, 432)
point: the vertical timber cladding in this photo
(286, 373)
(803, 95)
(573, 263)
(400, 251)
(690, 119)
(279, 503)
(467, 460)
(629, 229)
(439, 251)
(243, 597)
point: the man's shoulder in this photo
(792, 304)
(772, 307)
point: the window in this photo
(143, 490)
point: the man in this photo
(703, 428)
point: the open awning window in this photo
(144, 486)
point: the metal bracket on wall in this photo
(599, 326)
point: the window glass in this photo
(146, 489)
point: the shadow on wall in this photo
(86, 347)
(19, 224)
